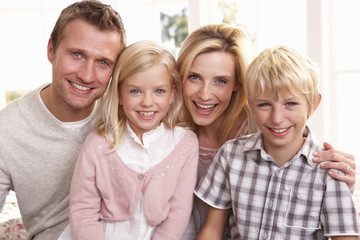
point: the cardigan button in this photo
(141, 176)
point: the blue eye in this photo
(221, 80)
(77, 54)
(103, 62)
(263, 105)
(193, 76)
(291, 103)
(159, 91)
(135, 91)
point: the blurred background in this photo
(324, 30)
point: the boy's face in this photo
(281, 119)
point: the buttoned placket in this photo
(271, 200)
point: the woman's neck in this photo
(208, 135)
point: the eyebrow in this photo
(216, 76)
(111, 62)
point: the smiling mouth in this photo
(198, 105)
(279, 131)
(80, 87)
(147, 114)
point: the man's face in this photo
(82, 65)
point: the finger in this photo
(345, 178)
(334, 155)
(340, 166)
(327, 146)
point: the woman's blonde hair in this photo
(279, 69)
(111, 119)
(221, 38)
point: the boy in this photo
(268, 179)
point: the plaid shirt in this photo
(298, 200)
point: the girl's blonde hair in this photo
(221, 38)
(279, 69)
(111, 119)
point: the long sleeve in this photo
(5, 184)
(182, 200)
(85, 200)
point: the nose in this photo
(86, 72)
(277, 115)
(205, 91)
(147, 100)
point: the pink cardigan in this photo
(103, 187)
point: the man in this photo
(42, 133)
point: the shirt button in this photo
(264, 235)
(270, 204)
(141, 176)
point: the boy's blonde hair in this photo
(219, 38)
(111, 118)
(282, 69)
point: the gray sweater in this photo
(37, 159)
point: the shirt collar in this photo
(256, 143)
(308, 147)
(147, 137)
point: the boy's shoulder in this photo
(247, 142)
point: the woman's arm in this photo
(214, 224)
(339, 160)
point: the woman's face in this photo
(208, 88)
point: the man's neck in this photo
(61, 110)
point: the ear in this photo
(50, 51)
(315, 105)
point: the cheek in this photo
(165, 103)
(104, 77)
(188, 90)
(260, 117)
(224, 95)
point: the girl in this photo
(135, 176)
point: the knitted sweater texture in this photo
(37, 160)
(105, 188)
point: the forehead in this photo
(216, 60)
(280, 94)
(79, 34)
(157, 75)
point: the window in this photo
(323, 30)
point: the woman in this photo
(212, 65)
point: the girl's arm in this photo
(85, 200)
(339, 160)
(214, 224)
(181, 202)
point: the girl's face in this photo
(146, 97)
(208, 88)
